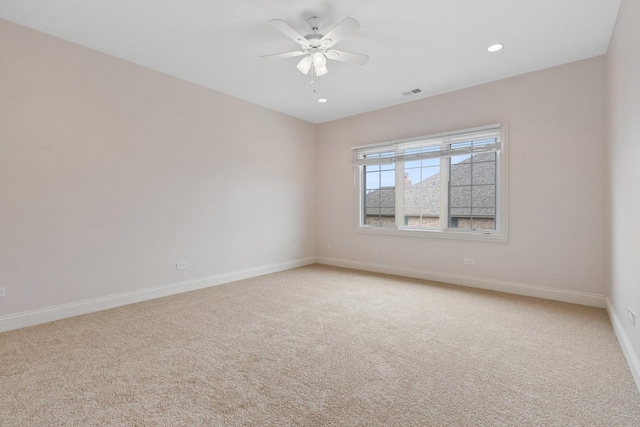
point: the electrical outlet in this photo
(631, 316)
(1, 292)
(294, 249)
(374, 251)
(469, 261)
(182, 265)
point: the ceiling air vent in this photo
(412, 92)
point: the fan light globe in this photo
(319, 60)
(305, 64)
(321, 71)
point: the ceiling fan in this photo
(316, 48)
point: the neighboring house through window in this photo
(445, 185)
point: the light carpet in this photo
(322, 346)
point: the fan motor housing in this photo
(314, 39)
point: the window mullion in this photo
(399, 211)
(444, 192)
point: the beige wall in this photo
(557, 171)
(111, 173)
(623, 78)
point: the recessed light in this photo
(495, 47)
(322, 100)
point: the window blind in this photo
(472, 141)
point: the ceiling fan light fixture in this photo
(321, 71)
(305, 64)
(319, 61)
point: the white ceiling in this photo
(435, 45)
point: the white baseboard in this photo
(49, 314)
(582, 298)
(625, 343)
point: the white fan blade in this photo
(340, 31)
(352, 58)
(285, 29)
(284, 55)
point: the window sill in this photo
(475, 235)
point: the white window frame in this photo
(500, 233)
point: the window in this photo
(445, 185)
